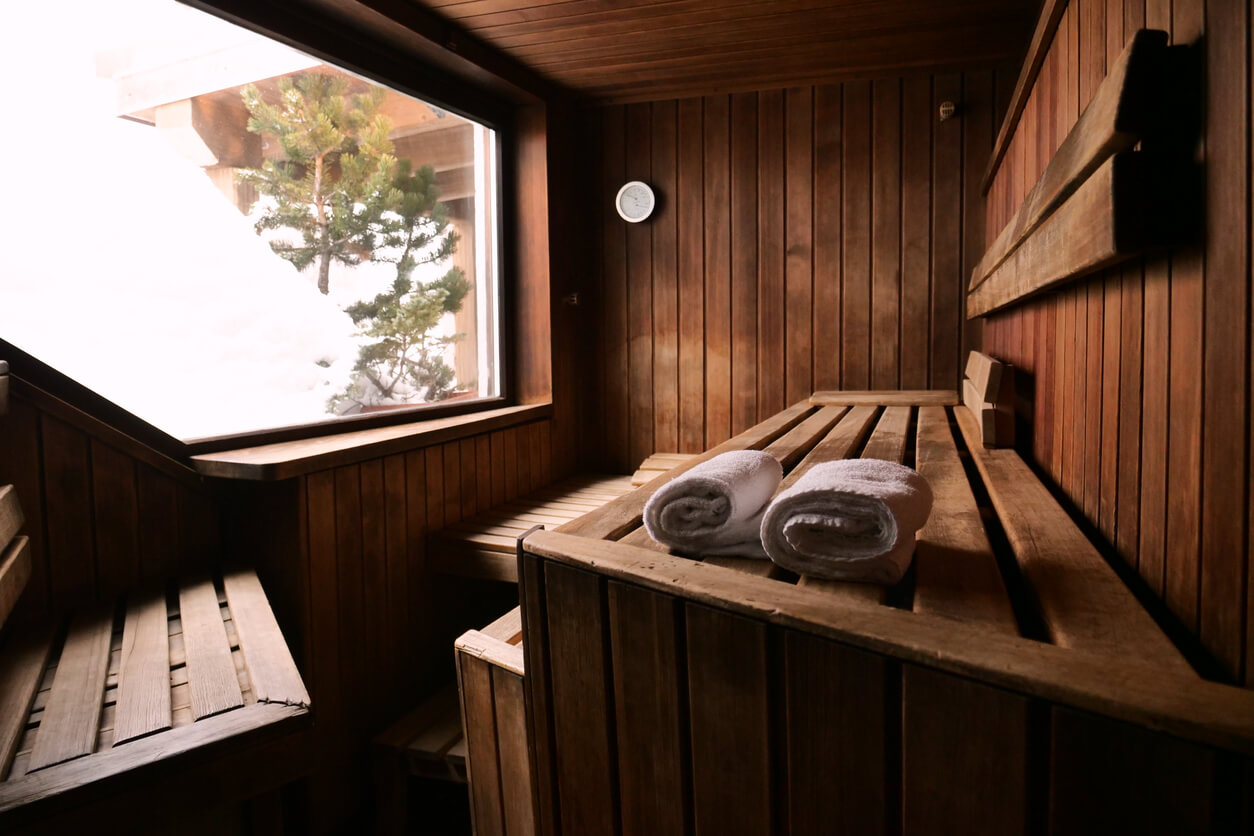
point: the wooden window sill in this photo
(272, 462)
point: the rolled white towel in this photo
(716, 507)
(851, 520)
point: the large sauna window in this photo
(223, 235)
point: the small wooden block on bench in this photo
(989, 392)
(484, 546)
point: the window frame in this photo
(372, 58)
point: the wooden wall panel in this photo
(343, 554)
(808, 238)
(1139, 377)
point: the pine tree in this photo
(403, 361)
(339, 185)
(337, 165)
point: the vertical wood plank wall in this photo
(103, 513)
(1140, 375)
(343, 554)
(809, 238)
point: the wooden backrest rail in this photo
(1088, 210)
(1119, 113)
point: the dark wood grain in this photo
(730, 722)
(665, 256)
(956, 736)
(645, 640)
(886, 200)
(690, 210)
(1104, 773)
(771, 231)
(744, 260)
(798, 236)
(716, 189)
(837, 716)
(856, 237)
(827, 160)
(582, 720)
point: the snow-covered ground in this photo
(126, 269)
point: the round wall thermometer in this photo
(635, 201)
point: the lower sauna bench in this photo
(484, 723)
(473, 732)
(485, 546)
(1017, 689)
(490, 679)
(143, 704)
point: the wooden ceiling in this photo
(624, 50)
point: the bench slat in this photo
(22, 666)
(552, 513)
(887, 442)
(617, 518)
(791, 447)
(271, 669)
(886, 397)
(443, 730)
(72, 715)
(15, 571)
(143, 705)
(956, 573)
(211, 673)
(839, 443)
(1082, 601)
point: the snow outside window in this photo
(222, 235)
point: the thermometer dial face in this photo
(635, 201)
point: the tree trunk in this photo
(324, 247)
(324, 273)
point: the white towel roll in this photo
(716, 507)
(852, 520)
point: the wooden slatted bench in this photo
(480, 721)
(441, 737)
(657, 464)
(485, 545)
(428, 742)
(490, 679)
(944, 704)
(148, 691)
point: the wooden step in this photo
(428, 742)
